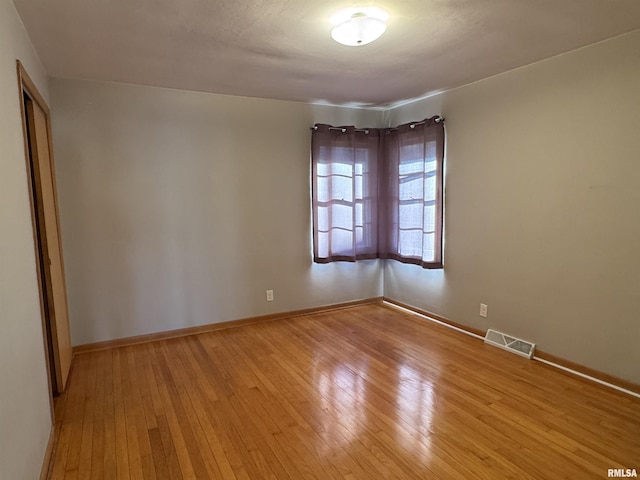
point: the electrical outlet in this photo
(483, 310)
(269, 295)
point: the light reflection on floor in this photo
(414, 408)
(343, 392)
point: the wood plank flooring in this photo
(367, 392)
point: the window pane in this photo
(411, 187)
(430, 188)
(430, 165)
(323, 168)
(334, 188)
(341, 242)
(359, 235)
(410, 215)
(322, 217)
(342, 216)
(410, 164)
(428, 253)
(358, 185)
(429, 218)
(323, 244)
(359, 218)
(410, 243)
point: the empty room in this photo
(332, 240)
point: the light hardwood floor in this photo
(367, 392)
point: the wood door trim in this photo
(35, 95)
(26, 85)
(45, 218)
(42, 238)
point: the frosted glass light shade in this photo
(358, 26)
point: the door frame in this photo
(55, 375)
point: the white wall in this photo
(181, 208)
(542, 202)
(25, 418)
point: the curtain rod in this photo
(366, 130)
(344, 130)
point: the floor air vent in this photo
(512, 344)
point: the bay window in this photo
(378, 193)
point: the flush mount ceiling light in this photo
(358, 26)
